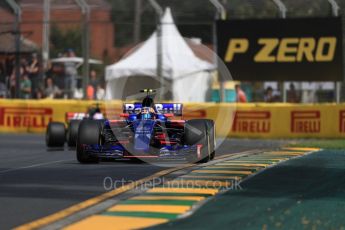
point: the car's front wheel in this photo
(89, 133)
(198, 133)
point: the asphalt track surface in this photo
(36, 181)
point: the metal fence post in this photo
(85, 43)
(46, 33)
(220, 14)
(283, 10)
(159, 12)
(18, 12)
(335, 12)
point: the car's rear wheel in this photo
(72, 133)
(89, 133)
(197, 133)
(55, 134)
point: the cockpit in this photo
(147, 113)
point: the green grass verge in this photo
(323, 144)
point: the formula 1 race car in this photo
(57, 134)
(147, 131)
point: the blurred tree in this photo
(195, 17)
(4, 5)
(60, 41)
(123, 17)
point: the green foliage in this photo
(63, 40)
(323, 144)
(5, 5)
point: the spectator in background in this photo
(13, 81)
(9, 65)
(90, 92)
(240, 95)
(269, 95)
(12, 84)
(2, 73)
(100, 93)
(94, 82)
(57, 73)
(78, 91)
(39, 94)
(3, 90)
(51, 90)
(33, 70)
(71, 74)
(292, 96)
(25, 86)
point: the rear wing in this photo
(75, 116)
(164, 108)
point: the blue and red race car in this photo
(147, 131)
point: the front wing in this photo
(119, 151)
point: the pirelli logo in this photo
(305, 121)
(19, 117)
(252, 122)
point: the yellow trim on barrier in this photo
(243, 164)
(198, 183)
(212, 177)
(287, 153)
(196, 198)
(115, 222)
(271, 158)
(178, 209)
(184, 190)
(258, 160)
(302, 149)
(233, 167)
(223, 172)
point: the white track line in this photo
(32, 166)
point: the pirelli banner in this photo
(243, 120)
(301, 49)
(289, 121)
(33, 116)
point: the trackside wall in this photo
(232, 120)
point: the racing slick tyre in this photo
(89, 133)
(198, 133)
(55, 134)
(72, 133)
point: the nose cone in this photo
(143, 135)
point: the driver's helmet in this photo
(146, 113)
(147, 102)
